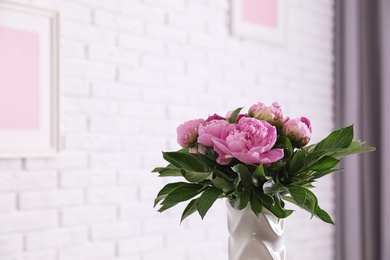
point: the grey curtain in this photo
(385, 126)
(362, 80)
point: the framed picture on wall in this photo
(28, 81)
(262, 20)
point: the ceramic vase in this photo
(252, 237)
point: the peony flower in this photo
(298, 130)
(211, 129)
(249, 141)
(187, 133)
(272, 114)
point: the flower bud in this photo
(298, 130)
(272, 114)
(187, 133)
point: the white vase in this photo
(254, 238)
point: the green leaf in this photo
(165, 207)
(192, 176)
(337, 139)
(225, 175)
(181, 193)
(317, 175)
(170, 171)
(313, 156)
(241, 201)
(255, 204)
(166, 190)
(299, 194)
(278, 211)
(271, 187)
(159, 169)
(276, 166)
(304, 197)
(234, 115)
(323, 215)
(284, 143)
(207, 160)
(258, 176)
(278, 200)
(269, 202)
(264, 198)
(319, 213)
(355, 147)
(186, 161)
(245, 177)
(297, 162)
(223, 184)
(188, 210)
(206, 200)
(324, 164)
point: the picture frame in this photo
(259, 20)
(29, 81)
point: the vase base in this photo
(254, 238)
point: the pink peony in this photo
(187, 133)
(272, 114)
(250, 141)
(211, 129)
(298, 130)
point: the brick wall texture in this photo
(130, 72)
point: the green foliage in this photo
(258, 176)
(184, 161)
(206, 200)
(337, 139)
(241, 200)
(256, 205)
(234, 115)
(297, 162)
(183, 192)
(260, 186)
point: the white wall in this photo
(131, 71)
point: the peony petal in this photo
(223, 160)
(211, 130)
(224, 157)
(205, 139)
(220, 145)
(271, 156)
(249, 158)
(260, 149)
(236, 146)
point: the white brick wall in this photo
(131, 71)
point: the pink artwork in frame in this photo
(28, 81)
(262, 12)
(19, 77)
(262, 20)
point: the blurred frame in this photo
(260, 20)
(28, 81)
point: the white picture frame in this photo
(29, 88)
(273, 27)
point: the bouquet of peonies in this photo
(260, 158)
